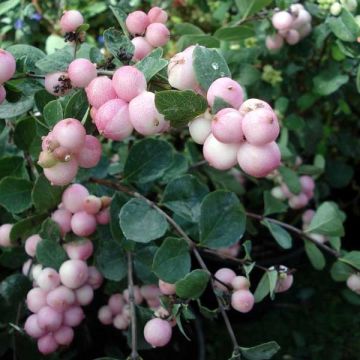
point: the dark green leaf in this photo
(260, 352)
(143, 261)
(316, 257)
(170, 103)
(192, 285)
(152, 64)
(57, 61)
(272, 205)
(24, 133)
(77, 106)
(26, 227)
(50, 230)
(44, 196)
(352, 258)
(235, 33)
(49, 253)
(115, 41)
(291, 179)
(282, 237)
(53, 113)
(340, 271)
(10, 110)
(12, 166)
(15, 194)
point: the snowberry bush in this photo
(135, 181)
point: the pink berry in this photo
(70, 133)
(142, 48)
(353, 282)
(2, 94)
(73, 316)
(5, 230)
(242, 301)
(105, 315)
(260, 127)
(73, 273)
(92, 204)
(99, 91)
(137, 22)
(26, 268)
(84, 295)
(83, 224)
(308, 216)
(60, 298)
(144, 116)
(49, 319)
(282, 20)
(36, 271)
(103, 217)
(64, 336)
(81, 72)
(305, 30)
(226, 89)
(226, 126)
(302, 17)
(166, 288)
(307, 185)
(112, 120)
(32, 327)
(284, 282)
(157, 34)
(292, 37)
(274, 42)
(181, 74)
(90, 154)
(73, 198)
(157, 332)
(31, 244)
(63, 218)
(253, 104)
(120, 322)
(116, 303)
(71, 20)
(219, 155)
(137, 295)
(48, 279)
(128, 82)
(7, 66)
(226, 276)
(285, 190)
(200, 129)
(57, 83)
(259, 161)
(47, 344)
(298, 201)
(49, 143)
(240, 283)
(95, 278)
(79, 250)
(153, 303)
(157, 15)
(36, 299)
(93, 112)
(150, 291)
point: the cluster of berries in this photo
(7, 70)
(81, 212)
(299, 201)
(123, 104)
(336, 6)
(65, 149)
(292, 26)
(149, 31)
(57, 297)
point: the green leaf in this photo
(235, 33)
(120, 17)
(15, 194)
(197, 39)
(44, 196)
(50, 230)
(260, 352)
(184, 195)
(49, 253)
(12, 166)
(329, 80)
(24, 133)
(8, 5)
(281, 236)
(352, 258)
(358, 79)
(315, 256)
(219, 104)
(344, 26)
(209, 65)
(222, 220)
(117, 202)
(10, 110)
(327, 221)
(291, 179)
(187, 29)
(273, 205)
(152, 64)
(13, 289)
(115, 41)
(57, 61)
(26, 227)
(53, 112)
(110, 259)
(31, 54)
(170, 103)
(192, 285)
(172, 260)
(13, 258)
(266, 285)
(148, 160)
(140, 222)
(77, 105)
(42, 97)
(143, 261)
(340, 271)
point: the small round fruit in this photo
(5, 230)
(90, 154)
(274, 42)
(99, 91)
(73, 197)
(49, 319)
(70, 133)
(7, 66)
(226, 126)
(81, 72)
(63, 218)
(282, 20)
(157, 34)
(71, 20)
(83, 224)
(242, 301)
(74, 273)
(240, 283)
(225, 276)
(157, 332)
(142, 48)
(167, 288)
(137, 22)
(353, 282)
(284, 282)
(226, 89)
(200, 129)
(157, 15)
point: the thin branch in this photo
(134, 353)
(296, 231)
